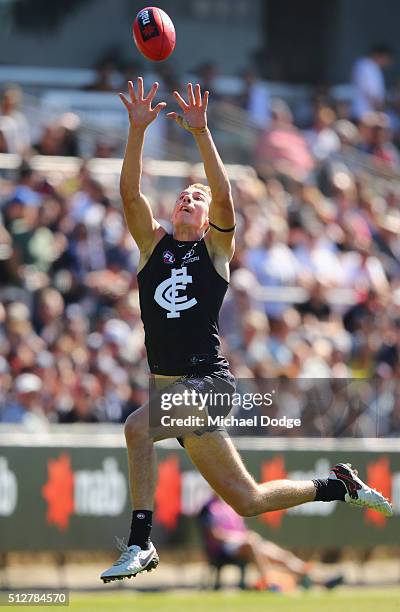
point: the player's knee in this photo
(245, 506)
(246, 551)
(253, 538)
(134, 428)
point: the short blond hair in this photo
(204, 188)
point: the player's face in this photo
(191, 208)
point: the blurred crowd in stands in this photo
(315, 279)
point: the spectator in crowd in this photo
(282, 147)
(105, 147)
(169, 79)
(60, 137)
(86, 394)
(128, 71)
(314, 280)
(321, 137)
(7, 136)
(255, 98)
(374, 137)
(27, 188)
(25, 405)
(206, 74)
(49, 312)
(107, 77)
(15, 125)
(368, 80)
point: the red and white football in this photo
(154, 33)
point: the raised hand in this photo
(140, 112)
(194, 111)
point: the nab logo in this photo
(144, 16)
(147, 24)
(166, 294)
(59, 491)
(68, 492)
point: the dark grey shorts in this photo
(219, 382)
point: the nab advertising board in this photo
(55, 498)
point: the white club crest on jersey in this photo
(166, 294)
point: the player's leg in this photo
(262, 552)
(142, 462)
(142, 429)
(272, 552)
(249, 552)
(219, 462)
(217, 459)
(139, 554)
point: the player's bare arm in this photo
(221, 212)
(138, 214)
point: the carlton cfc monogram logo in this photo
(166, 294)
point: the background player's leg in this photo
(217, 459)
(277, 554)
(250, 552)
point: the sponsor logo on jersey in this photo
(168, 257)
(167, 293)
(189, 257)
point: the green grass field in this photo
(351, 600)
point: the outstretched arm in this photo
(221, 211)
(137, 210)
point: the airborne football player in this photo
(183, 278)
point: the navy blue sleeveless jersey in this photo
(181, 294)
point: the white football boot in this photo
(357, 492)
(132, 561)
